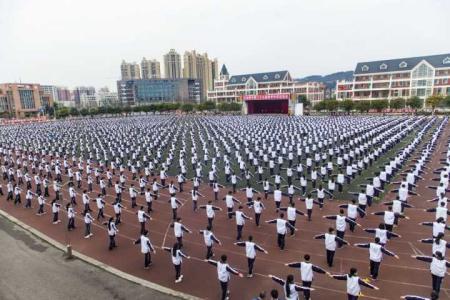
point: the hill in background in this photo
(328, 80)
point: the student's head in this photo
(240, 207)
(281, 215)
(341, 211)
(440, 220)
(85, 191)
(377, 240)
(389, 207)
(307, 257)
(230, 192)
(309, 195)
(178, 219)
(442, 204)
(330, 230)
(292, 204)
(353, 272)
(353, 201)
(262, 295)
(223, 258)
(209, 201)
(274, 294)
(438, 255)
(362, 191)
(250, 238)
(258, 198)
(381, 226)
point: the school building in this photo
(270, 92)
(22, 100)
(398, 78)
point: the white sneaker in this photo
(179, 280)
(91, 234)
(87, 236)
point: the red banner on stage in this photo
(284, 96)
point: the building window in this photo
(277, 76)
(265, 77)
(243, 79)
(233, 80)
(446, 60)
(26, 99)
(403, 64)
(365, 68)
(383, 67)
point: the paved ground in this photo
(32, 269)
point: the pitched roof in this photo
(260, 77)
(224, 70)
(401, 64)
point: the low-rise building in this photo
(398, 78)
(24, 99)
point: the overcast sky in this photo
(82, 42)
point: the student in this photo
(281, 229)
(146, 247)
(100, 206)
(309, 203)
(274, 294)
(438, 226)
(41, 202)
(229, 201)
(142, 218)
(341, 224)
(177, 258)
(149, 200)
(389, 217)
(250, 253)
(174, 204)
(376, 251)
(112, 231)
(306, 272)
(292, 213)
(352, 213)
(433, 296)
(441, 211)
(321, 195)
(55, 210)
(258, 207)
(209, 239)
(179, 230)
(88, 219)
(290, 288)
(71, 217)
(439, 244)
(438, 268)
(210, 212)
(331, 241)
(118, 211)
(223, 274)
(240, 221)
(382, 233)
(354, 284)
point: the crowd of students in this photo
(289, 161)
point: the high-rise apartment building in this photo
(81, 93)
(150, 68)
(130, 71)
(199, 66)
(172, 65)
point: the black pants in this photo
(230, 211)
(352, 225)
(112, 242)
(306, 292)
(293, 226)
(309, 212)
(55, 217)
(174, 213)
(320, 202)
(436, 282)
(224, 287)
(389, 227)
(280, 241)
(133, 202)
(88, 229)
(250, 262)
(340, 234)
(209, 252)
(177, 271)
(239, 232)
(147, 260)
(351, 297)
(100, 213)
(330, 257)
(117, 219)
(257, 218)
(363, 208)
(374, 267)
(71, 224)
(149, 207)
(41, 209)
(142, 227)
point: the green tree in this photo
(331, 105)
(434, 101)
(321, 105)
(379, 105)
(414, 103)
(187, 107)
(398, 103)
(346, 105)
(74, 111)
(362, 106)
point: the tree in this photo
(433, 101)
(187, 107)
(74, 111)
(398, 103)
(379, 105)
(446, 101)
(321, 105)
(331, 105)
(347, 105)
(362, 106)
(84, 112)
(414, 103)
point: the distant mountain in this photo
(328, 80)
